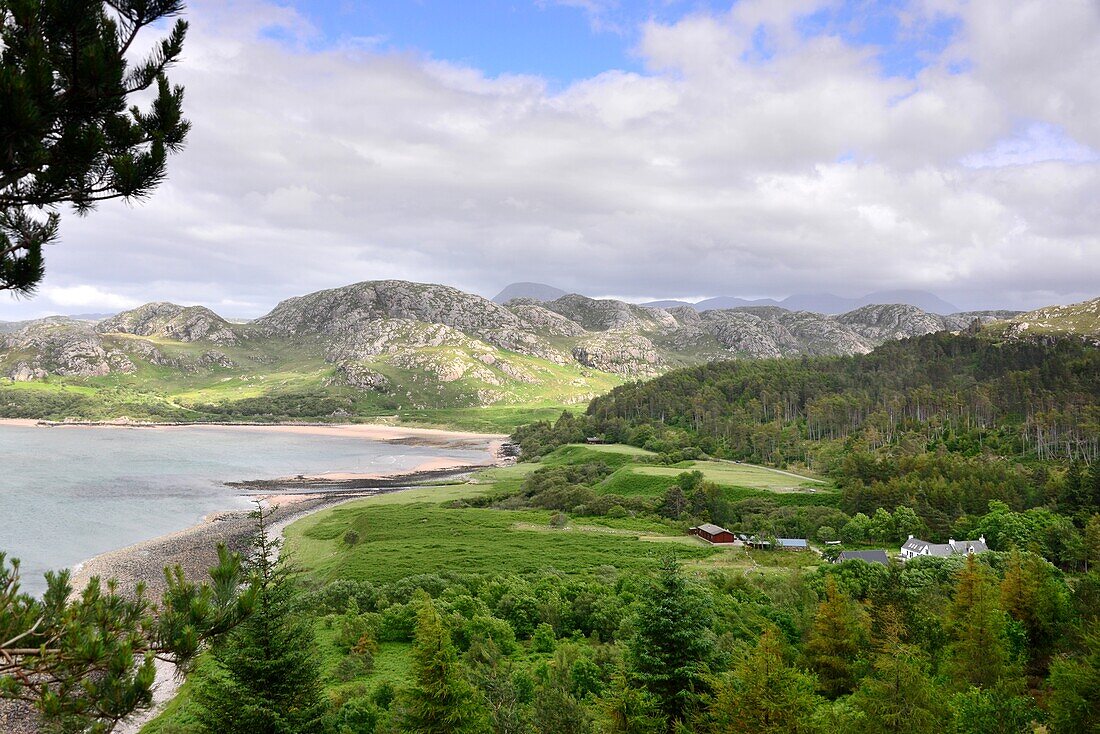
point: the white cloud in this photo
(714, 172)
(87, 297)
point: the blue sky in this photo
(567, 40)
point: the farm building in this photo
(712, 533)
(867, 556)
(792, 543)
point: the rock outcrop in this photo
(170, 321)
(629, 355)
(610, 315)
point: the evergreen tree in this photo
(85, 660)
(899, 696)
(671, 650)
(765, 695)
(626, 709)
(441, 700)
(1092, 540)
(979, 653)
(1075, 689)
(67, 76)
(265, 677)
(505, 690)
(557, 708)
(836, 640)
(1030, 595)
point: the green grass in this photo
(398, 539)
(614, 455)
(739, 475)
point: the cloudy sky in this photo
(636, 148)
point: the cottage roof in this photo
(868, 556)
(943, 550)
(966, 547)
(710, 528)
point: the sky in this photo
(646, 149)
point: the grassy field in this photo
(398, 540)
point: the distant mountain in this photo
(384, 347)
(89, 316)
(711, 304)
(532, 291)
(823, 302)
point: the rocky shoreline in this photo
(195, 551)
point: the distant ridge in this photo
(825, 303)
(533, 291)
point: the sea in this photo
(70, 493)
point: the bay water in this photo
(69, 493)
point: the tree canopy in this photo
(70, 132)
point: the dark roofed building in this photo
(712, 533)
(867, 556)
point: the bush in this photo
(351, 538)
(544, 639)
(616, 511)
(355, 665)
(559, 520)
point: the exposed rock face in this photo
(169, 321)
(630, 355)
(61, 346)
(362, 377)
(609, 315)
(896, 321)
(544, 320)
(340, 312)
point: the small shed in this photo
(712, 533)
(792, 543)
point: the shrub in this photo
(544, 639)
(355, 665)
(351, 538)
(559, 520)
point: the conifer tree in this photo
(1075, 689)
(671, 650)
(69, 132)
(836, 641)
(1030, 596)
(627, 709)
(85, 661)
(899, 696)
(265, 677)
(441, 700)
(979, 653)
(764, 694)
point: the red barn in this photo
(712, 533)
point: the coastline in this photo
(194, 548)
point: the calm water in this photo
(67, 494)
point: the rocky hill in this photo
(169, 321)
(394, 346)
(1077, 319)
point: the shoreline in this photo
(194, 548)
(373, 431)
